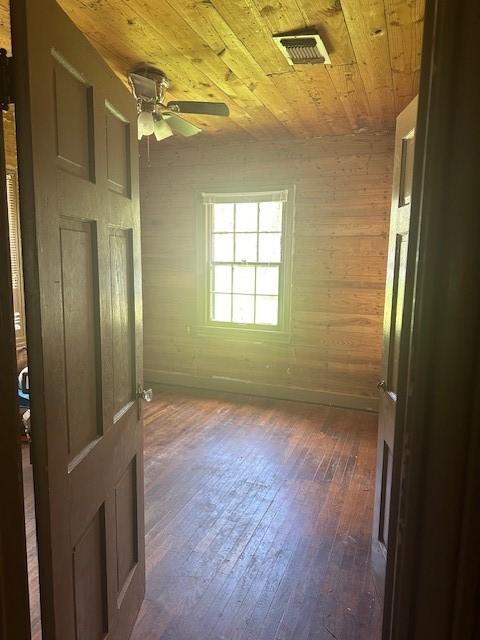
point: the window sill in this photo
(235, 334)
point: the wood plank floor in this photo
(258, 519)
(32, 558)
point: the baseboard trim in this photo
(232, 385)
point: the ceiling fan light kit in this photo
(161, 129)
(149, 87)
(146, 124)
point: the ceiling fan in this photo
(149, 87)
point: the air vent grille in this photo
(303, 49)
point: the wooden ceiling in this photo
(223, 50)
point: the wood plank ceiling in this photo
(223, 50)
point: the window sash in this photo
(233, 298)
(227, 263)
(239, 198)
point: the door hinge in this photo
(6, 80)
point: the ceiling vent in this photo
(303, 49)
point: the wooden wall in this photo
(341, 225)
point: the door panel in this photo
(89, 570)
(79, 184)
(385, 494)
(118, 152)
(73, 104)
(392, 332)
(122, 321)
(396, 313)
(126, 515)
(82, 349)
(406, 171)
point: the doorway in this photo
(23, 423)
(316, 427)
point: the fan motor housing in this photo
(149, 84)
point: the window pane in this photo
(223, 247)
(222, 307)
(243, 279)
(245, 247)
(270, 218)
(222, 279)
(266, 310)
(246, 216)
(222, 217)
(243, 309)
(267, 281)
(269, 247)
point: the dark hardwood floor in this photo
(258, 519)
(31, 534)
(258, 516)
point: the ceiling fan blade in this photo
(181, 126)
(202, 108)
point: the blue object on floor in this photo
(24, 389)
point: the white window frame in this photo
(205, 325)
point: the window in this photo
(16, 257)
(247, 262)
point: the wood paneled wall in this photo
(343, 189)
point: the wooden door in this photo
(78, 163)
(392, 330)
